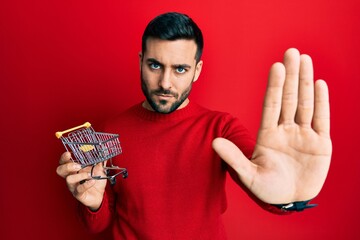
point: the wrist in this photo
(94, 209)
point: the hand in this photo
(293, 149)
(88, 191)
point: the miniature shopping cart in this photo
(89, 148)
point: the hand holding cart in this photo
(89, 148)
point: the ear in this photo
(140, 59)
(198, 70)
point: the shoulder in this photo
(215, 115)
(223, 123)
(126, 116)
(228, 126)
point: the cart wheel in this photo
(112, 180)
(125, 174)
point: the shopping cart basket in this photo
(89, 148)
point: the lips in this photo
(164, 95)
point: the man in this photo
(177, 152)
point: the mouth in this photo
(165, 95)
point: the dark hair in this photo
(174, 26)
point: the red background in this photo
(66, 62)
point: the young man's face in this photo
(168, 69)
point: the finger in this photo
(66, 166)
(290, 91)
(321, 120)
(98, 170)
(305, 108)
(272, 102)
(232, 155)
(75, 179)
(66, 169)
(81, 188)
(65, 158)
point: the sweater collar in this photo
(177, 115)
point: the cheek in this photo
(182, 88)
(184, 82)
(150, 78)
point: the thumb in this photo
(233, 156)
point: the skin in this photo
(293, 150)
(168, 69)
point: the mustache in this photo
(161, 91)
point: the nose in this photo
(165, 79)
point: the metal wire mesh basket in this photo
(89, 148)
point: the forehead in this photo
(176, 51)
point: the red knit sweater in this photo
(176, 183)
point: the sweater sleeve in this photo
(235, 132)
(96, 222)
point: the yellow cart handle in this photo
(59, 134)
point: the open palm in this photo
(293, 149)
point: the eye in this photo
(154, 66)
(180, 70)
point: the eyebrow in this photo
(153, 60)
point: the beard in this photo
(162, 105)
